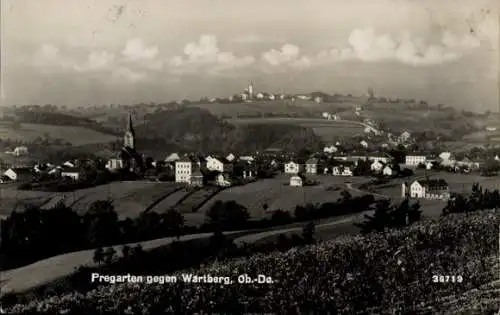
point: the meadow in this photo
(129, 198)
(76, 135)
(329, 130)
(277, 194)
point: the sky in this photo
(92, 52)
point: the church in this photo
(132, 160)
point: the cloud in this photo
(288, 56)
(123, 73)
(366, 45)
(136, 50)
(97, 61)
(206, 55)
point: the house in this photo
(415, 160)
(318, 100)
(429, 165)
(404, 137)
(69, 164)
(71, 172)
(311, 166)
(172, 158)
(4, 179)
(223, 180)
(19, 173)
(259, 95)
(246, 158)
(219, 165)
(230, 157)
(183, 170)
(292, 168)
(387, 171)
(296, 181)
(271, 97)
(114, 164)
(363, 143)
(427, 189)
(20, 151)
(196, 179)
(330, 149)
(341, 171)
(376, 166)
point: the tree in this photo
(101, 221)
(98, 255)
(308, 233)
(281, 217)
(109, 255)
(228, 214)
(173, 222)
(379, 220)
(126, 252)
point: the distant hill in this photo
(195, 129)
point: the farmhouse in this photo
(311, 166)
(364, 144)
(376, 166)
(292, 168)
(341, 171)
(296, 181)
(219, 165)
(71, 172)
(19, 173)
(19, 151)
(196, 179)
(427, 189)
(183, 170)
(114, 164)
(230, 157)
(330, 149)
(172, 158)
(415, 160)
(223, 180)
(387, 171)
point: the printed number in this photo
(447, 279)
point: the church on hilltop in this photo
(132, 160)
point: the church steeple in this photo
(129, 139)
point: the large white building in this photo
(427, 189)
(296, 181)
(19, 151)
(415, 160)
(183, 170)
(292, 168)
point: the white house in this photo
(292, 168)
(19, 151)
(387, 171)
(330, 149)
(427, 189)
(223, 180)
(341, 171)
(71, 172)
(497, 158)
(172, 158)
(19, 173)
(429, 165)
(230, 157)
(415, 160)
(376, 166)
(312, 166)
(114, 164)
(364, 144)
(405, 136)
(69, 164)
(259, 95)
(272, 97)
(318, 100)
(296, 181)
(214, 164)
(246, 158)
(183, 170)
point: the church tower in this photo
(250, 90)
(129, 138)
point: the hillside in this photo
(195, 129)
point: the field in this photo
(74, 135)
(328, 130)
(129, 198)
(278, 195)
